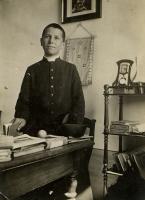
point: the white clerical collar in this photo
(52, 58)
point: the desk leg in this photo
(73, 178)
(71, 194)
(73, 185)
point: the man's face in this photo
(52, 41)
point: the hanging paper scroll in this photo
(79, 51)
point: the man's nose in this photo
(51, 39)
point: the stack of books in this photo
(12, 147)
(138, 158)
(124, 127)
(6, 145)
(131, 160)
(26, 144)
(123, 161)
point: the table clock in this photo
(124, 73)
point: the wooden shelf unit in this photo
(121, 92)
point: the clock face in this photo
(122, 80)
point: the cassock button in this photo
(52, 77)
(52, 86)
(52, 94)
(51, 70)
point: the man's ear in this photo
(41, 41)
(63, 44)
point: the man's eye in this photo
(57, 38)
(47, 36)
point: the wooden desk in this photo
(26, 173)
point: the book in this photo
(124, 122)
(5, 155)
(117, 163)
(26, 144)
(132, 159)
(6, 145)
(5, 152)
(5, 158)
(122, 162)
(139, 160)
(123, 126)
(127, 160)
(6, 142)
(27, 140)
(28, 150)
(55, 141)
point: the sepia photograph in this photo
(79, 10)
(72, 100)
(80, 5)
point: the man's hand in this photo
(20, 122)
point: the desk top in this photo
(44, 155)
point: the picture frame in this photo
(79, 10)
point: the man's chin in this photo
(50, 53)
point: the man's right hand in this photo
(20, 122)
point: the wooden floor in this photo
(96, 175)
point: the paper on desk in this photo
(79, 139)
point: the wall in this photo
(118, 34)
(21, 26)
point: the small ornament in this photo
(42, 133)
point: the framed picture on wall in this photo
(79, 10)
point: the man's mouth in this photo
(50, 47)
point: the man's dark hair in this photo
(54, 25)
